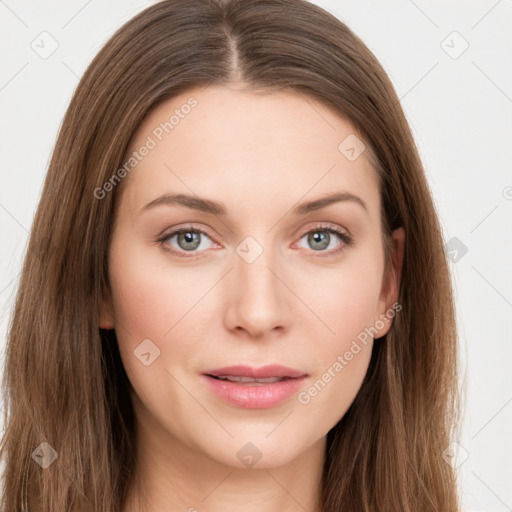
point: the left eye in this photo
(320, 239)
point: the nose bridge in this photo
(253, 262)
(256, 291)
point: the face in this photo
(254, 279)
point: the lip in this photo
(252, 395)
(273, 370)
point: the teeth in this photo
(233, 378)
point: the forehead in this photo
(230, 143)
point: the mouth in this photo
(250, 373)
(249, 381)
(254, 388)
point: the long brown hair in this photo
(64, 381)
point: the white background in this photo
(459, 110)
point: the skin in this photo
(259, 154)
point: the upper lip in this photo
(262, 372)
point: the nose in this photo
(257, 296)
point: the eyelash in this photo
(345, 237)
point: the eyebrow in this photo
(217, 208)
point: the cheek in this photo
(153, 314)
(150, 297)
(151, 302)
(346, 301)
(332, 391)
(343, 352)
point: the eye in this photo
(320, 239)
(188, 239)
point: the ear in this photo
(391, 285)
(107, 311)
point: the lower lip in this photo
(255, 396)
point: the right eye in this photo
(188, 240)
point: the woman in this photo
(235, 291)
